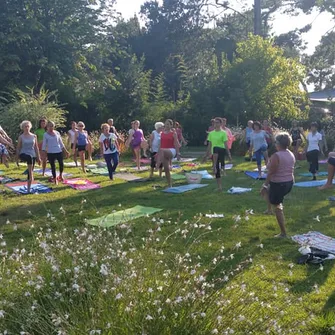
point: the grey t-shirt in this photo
(53, 144)
(258, 140)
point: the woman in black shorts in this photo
(280, 179)
(296, 133)
(27, 151)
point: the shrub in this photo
(22, 105)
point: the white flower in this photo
(3, 244)
(238, 245)
(219, 318)
(321, 267)
(118, 296)
(168, 301)
(149, 317)
(80, 213)
(215, 331)
(260, 246)
(202, 314)
(76, 287)
(150, 290)
(83, 201)
(161, 221)
(317, 218)
(120, 205)
(2, 314)
(104, 270)
(7, 222)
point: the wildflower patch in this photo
(123, 216)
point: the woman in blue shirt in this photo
(82, 142)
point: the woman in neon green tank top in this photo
(39, 132)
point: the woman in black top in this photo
(296, 133)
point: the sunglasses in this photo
(80, 125)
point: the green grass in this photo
(309, 295)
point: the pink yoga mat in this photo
(81, 184)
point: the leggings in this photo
(111, 167)
(313, 160)
(221, 152)
(29, 160)
(52, 159)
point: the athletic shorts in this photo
(3, 150)
(153, 160)
(331, 161)
(81, 148)
(72, 145)
(27, 159)
(173, 152)
(278, 191)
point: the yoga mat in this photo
(308, 174)
(127, 176)
(184, 160)
(263, 169)
(100, 171)
(239, 190)
(144, 160)
(316, 240)
(254, 175)
(1, 172)
(176, 167)
(204, 173)
(228, 166)
(47, 172)
(21, 188)
(70, 164)
(81, 184)
(184, 188)
(324, 161)
(129, 214)
(92, 166)
(312, 183)
(6, 180)
(176, 176)
(143, 168)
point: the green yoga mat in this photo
(129, 214)
(177, 176)
(100, 171)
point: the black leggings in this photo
(221, 152)
(313, 160)
(52, 159)
(29, 160)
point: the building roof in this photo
(325, 95)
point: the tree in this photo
(262, 82)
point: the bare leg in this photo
(269, 207)
(75, 157)
(167, 157)
(159, 158)
(266, 156)
(138, 158)
(160, 172)
(279, 210)
(4, 161)
(331, 172)
(89, 150)
(82, 160)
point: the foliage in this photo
(262, 83)
(27, 105)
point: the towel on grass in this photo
(316, 240)
(21, 188)
(204, 173)
(70, 164)
(184, 188)
(100, 171)
(81, 184)
(228, 166)
(124, 216)
(127, 176)
(239, 190)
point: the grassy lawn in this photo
(176, 272)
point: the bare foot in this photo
(325, 187)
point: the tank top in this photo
(82, 138)
(72, 135)
(285, 170)
(295, 133)
(167, 140)
(156, 142)
(28, 145)
(137, 138)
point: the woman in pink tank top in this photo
(280, 179)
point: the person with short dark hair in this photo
(259, 145)
(280, 179)
(313, 149)
(297, 134)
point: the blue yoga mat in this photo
(308, 174)
(254, 174)
(312, 183)
(184, 188)
(35, 189)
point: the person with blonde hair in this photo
(71, 134)
(154, 144)
(109, 149)
(82, 142)
(28, 151)
(136, 142)
(280, 179)
(53, 145)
